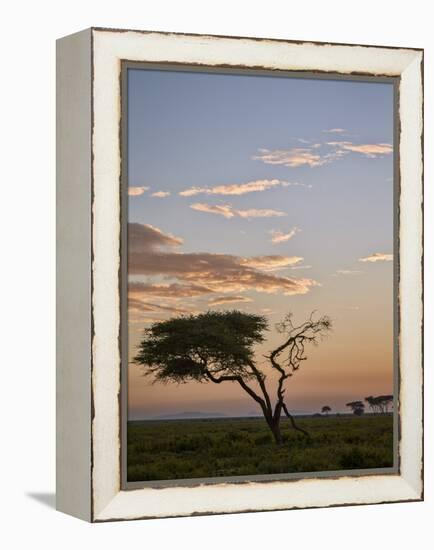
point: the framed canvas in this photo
(239, 267)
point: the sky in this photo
(268, 195)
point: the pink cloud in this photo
(137, 191)
(236, 188)
(377, 257)
(227, 211)
(215, 273)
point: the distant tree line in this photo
(378, 405)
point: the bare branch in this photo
(260, 377)
(242, 383)
(310, 331)
(294, 425)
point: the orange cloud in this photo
(173, 290)
(216, 273)
(160, 194)
(377, 257)
(319, 154)
(236, 188)
(371, 150)
(271, 263)
(227, 211)
(280, 237)
(228, 300)
(143, 320)
(148, 237)
(138, 306)
(137, 191)
(295, 157)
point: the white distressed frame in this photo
(108, 49)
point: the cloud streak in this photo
(278, 237)
(347, 272)
(335, 131)
(236, 188)
(229, 300)
(228, 212)
(143, 320)
(138, 306)
(147, 237)
(172, 290)
(160, 194)
(272, 263)
(294, 157)
(137, 191)
(319, 154)
(301, 267)
(371, 150)
(377, 257)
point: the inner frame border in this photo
(125, 65)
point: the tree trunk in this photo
(275, 429)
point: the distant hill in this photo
(215, 414)
(190, 414)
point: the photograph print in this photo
(261, 298)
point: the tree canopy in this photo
(380, 403)
(220, 347)
(358, 407)
(200, 347)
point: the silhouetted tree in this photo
(326, 410)
(379, 404)
(358, 407)
(219, 347)
(372, 403)
(385, 401)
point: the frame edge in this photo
(114, 509)
(73, 275)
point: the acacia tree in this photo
(326, 410)
(379, 404)
(371, 400)
(218, 347)
(385, 402)
(358, 407)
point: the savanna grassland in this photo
(185, 449)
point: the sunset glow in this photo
(267, 195)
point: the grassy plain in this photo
(185, 449)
